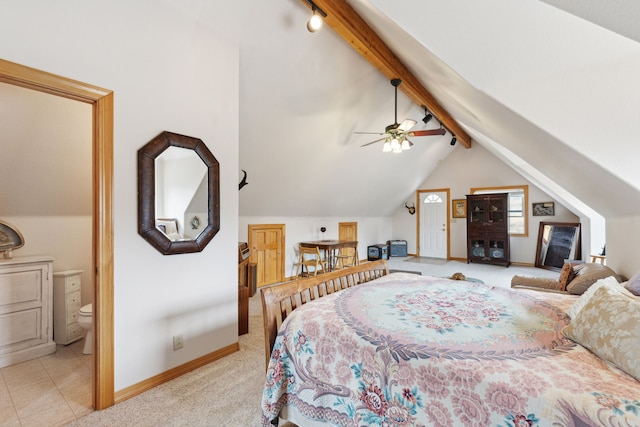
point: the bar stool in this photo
(598, 258)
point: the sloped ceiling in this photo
(46, 151)
(618, 16)
(302, 97)
(533, 93)
(551, 87)
(540, 95)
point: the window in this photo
(518, 202)
(433, 198)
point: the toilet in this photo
(85, 320)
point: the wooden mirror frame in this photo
(147, 200)
(575, 244)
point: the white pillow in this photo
(609, 282)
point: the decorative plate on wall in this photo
(10, 239)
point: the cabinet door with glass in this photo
(488, 228)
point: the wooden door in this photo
(266, 242)
(348, 231)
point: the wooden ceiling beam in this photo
(354, 30)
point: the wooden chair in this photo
(345, 257)
(310, 258)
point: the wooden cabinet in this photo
(243, 297)
(244, 288)
(66, 306)
(26, 329)
(488, 228)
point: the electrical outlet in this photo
(178, 343)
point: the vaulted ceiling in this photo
(552, 91)
(552, 94)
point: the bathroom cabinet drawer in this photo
(73, 283)
(72, 317)
(26, 321)
(74, 332)
(73, 301)
(67, 300)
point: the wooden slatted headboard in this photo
(280, 300)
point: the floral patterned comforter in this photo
(409, 350)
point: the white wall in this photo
(45, 178)
(166, 73)
(371, 230)
(66, 238)
(465, 169)
(624, 256)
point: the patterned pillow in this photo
(609, 282)
(608, 326)
(566, 275)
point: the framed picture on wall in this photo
(543, 209)
(459, 208)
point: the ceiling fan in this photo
(396, 136)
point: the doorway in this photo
(266, 243)
(433, 223)
(101, 101)
(348, 231)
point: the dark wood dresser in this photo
(488, 229)
(244, 288)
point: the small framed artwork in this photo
(543, 209)
(459, 208)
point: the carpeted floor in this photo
(426, 260)
(487, 273)
(228, 392)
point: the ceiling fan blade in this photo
(429, 132)
(369, 133)
(406, 125)
(373, 142)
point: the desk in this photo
(328, 246)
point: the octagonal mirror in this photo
(178, 194)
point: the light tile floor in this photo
(47, 391)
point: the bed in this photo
(410, 350)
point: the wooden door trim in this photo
(448, 206)
(282, 244)
(102, 143)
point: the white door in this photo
(433, 224)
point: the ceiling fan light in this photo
(395, 144)
(397, 150)
(315, 23)
(386, 148)
(406, 145)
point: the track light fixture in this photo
(427, 115)
(315, 23)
